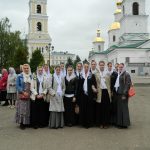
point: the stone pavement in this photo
(137, 137)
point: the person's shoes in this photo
(22, 126)
(9, 106)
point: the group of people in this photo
(91, 95)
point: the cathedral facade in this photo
(128, 37)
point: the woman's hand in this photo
(74, 100)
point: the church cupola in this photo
(98, 43)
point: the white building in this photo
(38, 36)
(58, 57)
(129, 41)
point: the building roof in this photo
(98, 38)
(61, 53)
(114, 26)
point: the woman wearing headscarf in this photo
(46, 71)
(11, 87)
(57, 91)
(70, 97)
(114, 76)
(103, 97)
(88, 97)
(3, 87)
(23, 84)
(38, 98)
(122, 87)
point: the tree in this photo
(69, 62)
(36, 60)
(11, 46)
(85, 61)
(76, 61)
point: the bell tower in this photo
(134, 18)
(38, 36)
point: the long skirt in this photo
(3, 95)
(39, 113)
(123, 118)
(69, 114)
(114, 109)
(86, 111)
(103, 109)
(56, 120)
(23, 112)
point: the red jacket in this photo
(3, 82)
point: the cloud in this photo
(72, 23)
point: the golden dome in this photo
(98, 38)
(114, 26)
(119, 3)
(118, 11)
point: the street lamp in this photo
(49, 48)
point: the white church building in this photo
(129, 40)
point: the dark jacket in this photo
(125, 84)
(113, 79)
(71, 86)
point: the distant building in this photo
(129, 40)
(38, 36)
(58, 57)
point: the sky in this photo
(72, 23)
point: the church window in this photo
(135, 8)
(127, 59)
(39, 9)
(42, 49)
(99, 48)
(114, 38)
(123, 10)
(39, 26)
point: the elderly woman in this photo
(38, 100)
(23, 85)
(57, 91)
(122, 87)
(3, 87)
(70, 97)
(11, 87)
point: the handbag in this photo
(23, 97)
(131, 92)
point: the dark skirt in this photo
(11, 96)
(69, 114)
(56, 120)
(103, 109)
(123, 118)
(114, 109)
(39, 116)
(3, 95)
(86, 111)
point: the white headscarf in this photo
(47, 73)
(85, 88)
(40, 79)
(58, 78)
(69, 78)
(12, 71)
(117, 84)
(27, 77)
(103, 74)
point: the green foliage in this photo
(13, 52)
(36, 60)
(76, 61)
(69, 62)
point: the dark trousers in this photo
(3, 95)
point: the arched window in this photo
(123, 10)
(39, 9)
(39, 26)
(135, 8)
(99, 48)
(114, 38)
